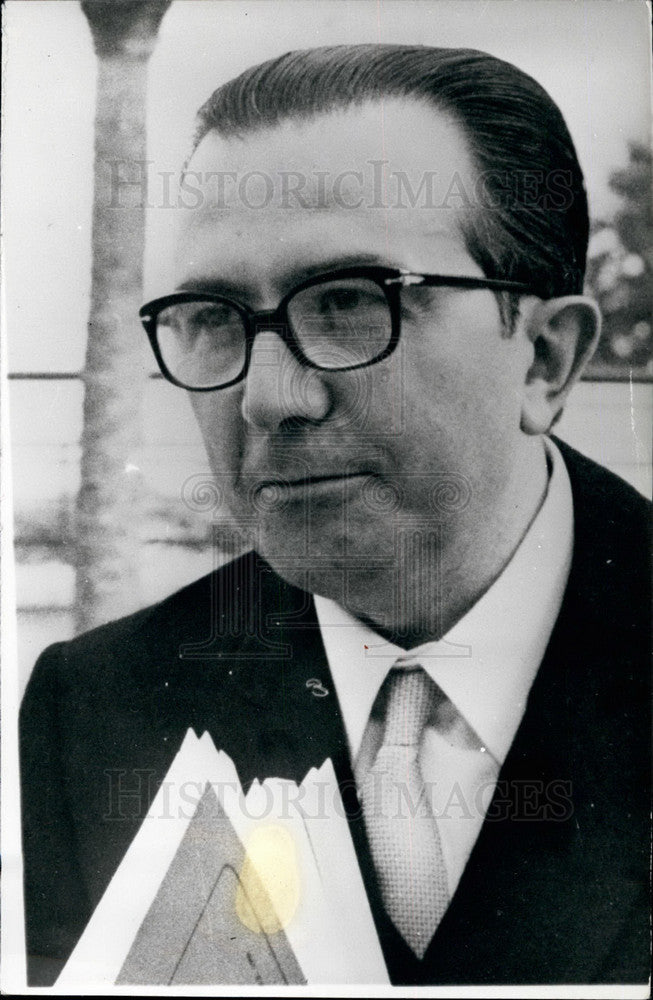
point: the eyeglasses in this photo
(335, 322)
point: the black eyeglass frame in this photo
(389, 280)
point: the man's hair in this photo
(531, 223)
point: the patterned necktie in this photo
(402, 831)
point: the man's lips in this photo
(314, 483)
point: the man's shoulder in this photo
(139, 639)
(597, 490)
(607, 600)
(155, 620)
(612, 521)
(216, 611)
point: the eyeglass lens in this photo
(337, 324)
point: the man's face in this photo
(331, 470)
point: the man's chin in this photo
(333, 562)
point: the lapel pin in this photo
(316, 687)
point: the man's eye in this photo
(210, 316)
(360, 296)
(342, 299)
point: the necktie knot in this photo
(410, 698)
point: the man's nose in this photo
(277, 387)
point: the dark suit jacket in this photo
(556, 888)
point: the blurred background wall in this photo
(593, 57)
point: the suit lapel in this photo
(503, 921)
(273, 706)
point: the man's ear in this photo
(564, 333)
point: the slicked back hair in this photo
(513, 129)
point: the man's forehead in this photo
(378, 177)
(398, 153)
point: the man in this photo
(375, 376)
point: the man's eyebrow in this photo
(290, 278)
(213, 284)
(347, 260)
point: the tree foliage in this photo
(620, 271)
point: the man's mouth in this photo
(309, 485)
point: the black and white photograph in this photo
(326, 629)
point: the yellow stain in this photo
(269, 887)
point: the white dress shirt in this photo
(485, 665)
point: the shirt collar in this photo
(487, 662)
